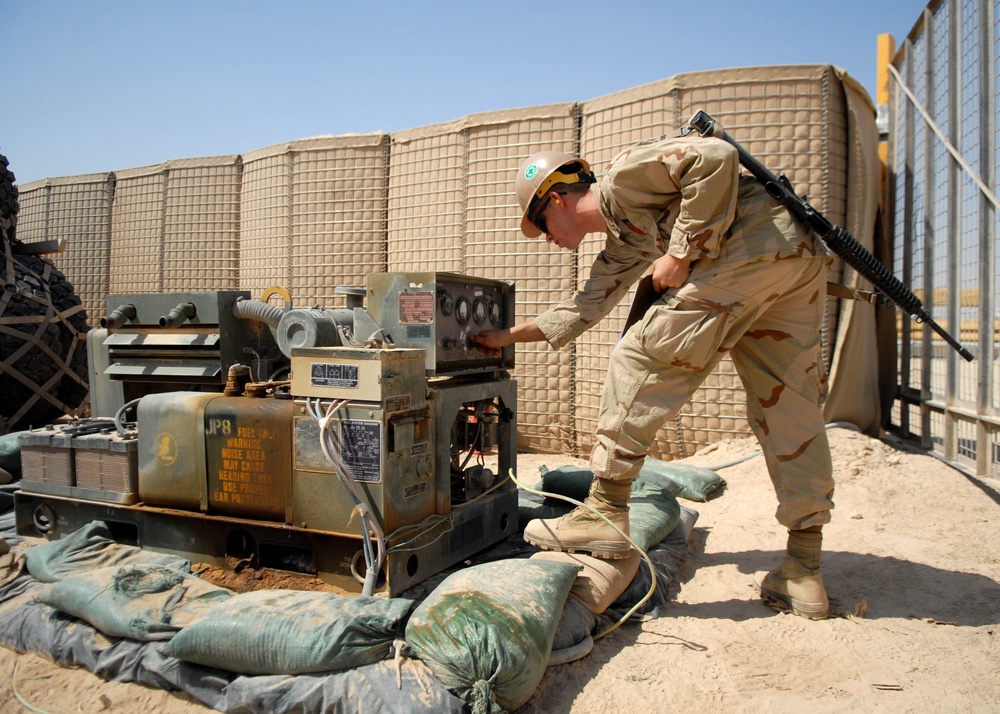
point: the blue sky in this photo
(103, 85)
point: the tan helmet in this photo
(537, 174)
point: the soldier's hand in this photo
(670, 272)
(491, 341)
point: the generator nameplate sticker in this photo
(331, 374)
(398, 403)
(361, 444)
(416, 308)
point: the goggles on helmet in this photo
(566, 174)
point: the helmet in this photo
(538, 173)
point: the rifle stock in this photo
(836, 238)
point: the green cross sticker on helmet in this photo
(529, 173)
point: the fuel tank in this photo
(216, 454)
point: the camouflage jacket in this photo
(681, 195)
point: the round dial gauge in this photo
(495, 313)
(479, 311)
(446, 303)
(463, 310)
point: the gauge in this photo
(495, 313)
(446, 303)
(479, 311)
(462, 310)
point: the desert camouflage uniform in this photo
(756, 291)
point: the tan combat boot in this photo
(797, 586)
(582, 531)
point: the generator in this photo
(363, 464)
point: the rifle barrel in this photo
(836, 238)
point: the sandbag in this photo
(487, 631)
(653, 509)
(404, 687)
(571, 481)
(10, 453)
(142, 602)
(89, 548)
(292, 632)
(531, 506)
(573, 638)
(600, 581)
(652, 512)
(693, 483)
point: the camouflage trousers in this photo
(767, 315)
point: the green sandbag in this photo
(292, 632)
(141, 602)
(530, 507)
(694, 483)
(10, 453)
(88, 548)
(653, 508)
(571, 481)
(486, 631)
(653, 512)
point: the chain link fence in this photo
(945, 167)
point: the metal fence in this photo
(945, 169)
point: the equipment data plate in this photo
(362, 449)
(416, 308)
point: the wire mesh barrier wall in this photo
(792, 119)
(316, 214)
(313, 217)
(78, 210)
(943, 127)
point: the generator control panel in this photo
(439, 312)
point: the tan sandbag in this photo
(600, 582)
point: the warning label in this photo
(245, 462)
(327, 374)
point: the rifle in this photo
(836, 238)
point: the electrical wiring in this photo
(374, 553)
(436, 518)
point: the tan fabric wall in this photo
(318, 213)
(201, 225)
(793, 119)
(175, 226)
(858, 359)
(313, 216)
(427, 198)
(137, 231)
(495, 248)
(451, 208)
(77, 210)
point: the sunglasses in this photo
(539, 221)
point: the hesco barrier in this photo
(451, 207)
(315, 214)
(78, 210)
(175, 227)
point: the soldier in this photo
(737, 275)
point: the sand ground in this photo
(912, 566)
